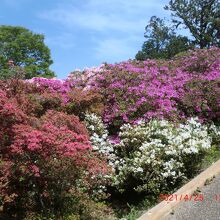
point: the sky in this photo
(85, 33)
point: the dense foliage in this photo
(46, 159)
(22, 48)
(161, 42)
(201, 18)
(115, 130)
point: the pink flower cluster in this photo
(136, 90)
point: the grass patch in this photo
(211, 157)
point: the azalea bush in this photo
(152, 156)
(136, 91)
(98, 134)
(142, 90)
(66, 95)
(82, 101)
(198, 61)
(47, 161)
(206, 93)
(158, 155)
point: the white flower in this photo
(173, 173)
(139, 169)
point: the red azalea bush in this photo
(43, 102)
(44, 157)
(60, 119)
(10, 114)
(49, 161)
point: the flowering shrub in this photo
(46, 159)
(81, 101)
(214, 132)
(130, 97)
(61, 87)
(60, 120)
(206, 93)
(98, 134)
(154, 156)
(198, 61)
(100, 141)
(85, 79)
(136, 90)
(10, 114)
(42, 102)
(66, 95)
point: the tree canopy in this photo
(19, 47)
(161, 41)
(201, 18)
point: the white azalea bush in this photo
(151, 156)
(98, 134)
(159, 154)
(99, 140)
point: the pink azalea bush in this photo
(135, 90)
